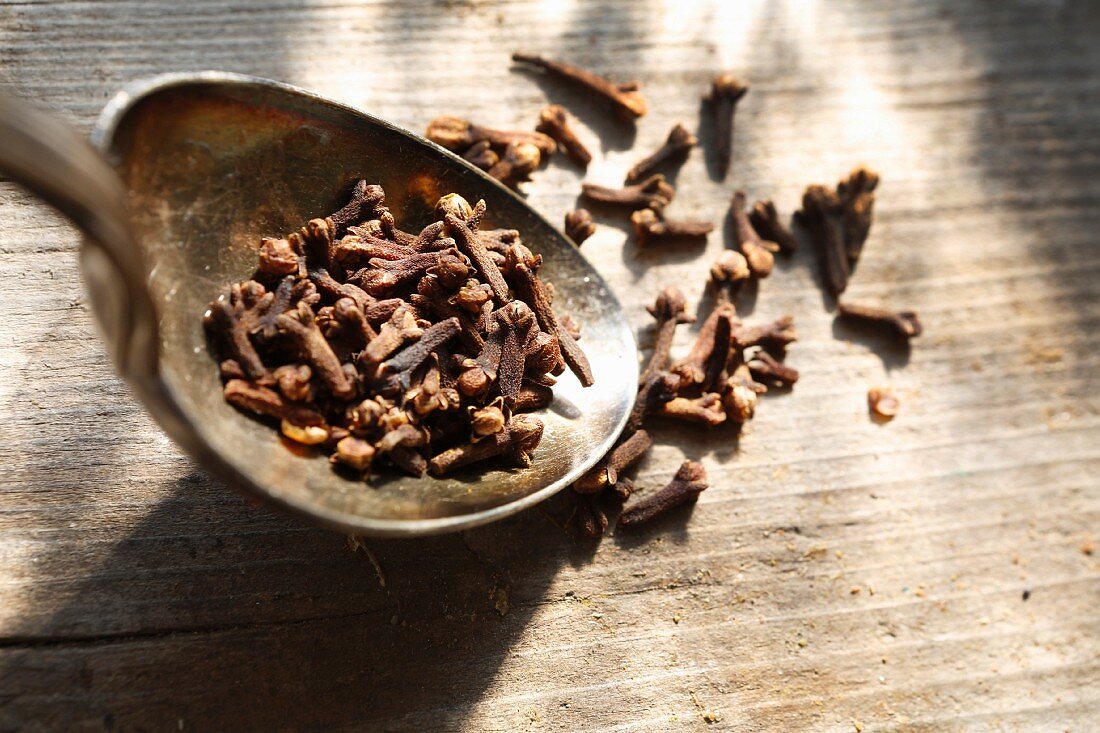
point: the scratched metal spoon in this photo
(202, 165)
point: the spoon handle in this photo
(55, 163)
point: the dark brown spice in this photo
(670, 310)
(625, 99)
(554, 122)
(903, 324)
(518, 161)
(728, 275)
(523, 266)
(691, 370)
(820, 215)
(652, 395)
(482, 155)
(759, 253)
(839, 221)
(765, 220)
(677, 145)
(725, 92)
(532, 397)
(652, 193)
(264, 401)
(769, 370)
(624, 455)
(650, 228)
(455, 133)
(857, 201)
(774, 336)
(579, 226)
(591, 518)
(706, 409)
(690, 481)
(516, 442)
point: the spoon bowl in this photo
(208, 164)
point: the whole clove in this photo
(624, 99)
(670, 310)
(676, 146)
(728, 275)
(591, 518)
(769, 370)
(517, 163)
(459, 135)
(624, 455)
(903, 324)
(765, 220)
(725, 92)
(652, 193)
(482, 155)
(430, 378)
(774, 336)
(883, 403)
(760, 253)
(650, 228)
(579, 226)
(707, 409)
(554, 122)
(690, 481)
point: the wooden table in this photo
(935, 573)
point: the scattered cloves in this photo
(728, 275)
(774, 336)
(707, 409)
(591, 518)
(857, 201)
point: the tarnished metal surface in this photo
(214, 161)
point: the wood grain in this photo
(838, 575)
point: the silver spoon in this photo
(200, 167)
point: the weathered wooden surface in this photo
(838, 576)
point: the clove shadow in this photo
(707, 141)
(893, 351)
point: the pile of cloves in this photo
(388, 348)
(717, 383)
